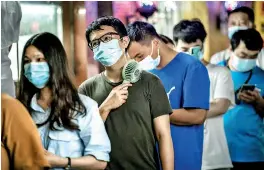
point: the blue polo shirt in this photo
(187, 85)
(244, 128)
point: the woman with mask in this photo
(71, 130)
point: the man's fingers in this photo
(124, 97)
(123, 86)
(246, 97)
(254, 93)
(124, 92)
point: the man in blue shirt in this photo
(189, 36)
(187, 84)
(243, 124)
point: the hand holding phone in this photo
(249, 93)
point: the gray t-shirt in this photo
(130, 127)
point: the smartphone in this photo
(247, 87)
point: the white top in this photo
(91, 139)
(215, 149)
(225, 54)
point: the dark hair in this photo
(65, 97)
(166, 39)
(189, 31)
(250, 37)
(245, 10)
(118, 26)
(141, 32)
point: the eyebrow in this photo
(109, 33)
(138, 54)
(254, 55)
(243, 53)
(26, 57)
(37, 55)
(185, 48)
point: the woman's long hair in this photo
(65, 98)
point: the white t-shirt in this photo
(225, 54)
(215, 149)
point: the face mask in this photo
(108, 53)
(232, 30)
(37, 73)
(196, 52)
(243, 65)
(149, 63)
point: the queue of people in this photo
(183, 112)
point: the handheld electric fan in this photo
(131, 72)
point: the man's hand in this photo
(250, 96)
(115, 99)
(117, 96)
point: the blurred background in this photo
(69, 19)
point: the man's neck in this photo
(230, 65)
(114, 76)
(114, 73)
(166, 56)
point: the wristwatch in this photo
(68, 167)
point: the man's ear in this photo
(125, 41)
(156, 42)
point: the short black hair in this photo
(245, 10)
(140, 31)
(166, 39)
(250, 37)
(189, 31)
(118, 26)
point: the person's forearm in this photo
(82, 163)
(188, 117)
(166, 152)
(104, 111)
(218, 108)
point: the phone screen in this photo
(247, 87)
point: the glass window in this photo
(36, 18)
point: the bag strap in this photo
(246, 82)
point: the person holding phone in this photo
(243, 124)
(240, 18)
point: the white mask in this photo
(243, 65)
(232, 30)
(149, 63)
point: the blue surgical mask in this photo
(108, 53)
(37, 73)
(243, 65)
(196, 52)
(232, 30)
(149, 63)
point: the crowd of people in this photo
(184, 113)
